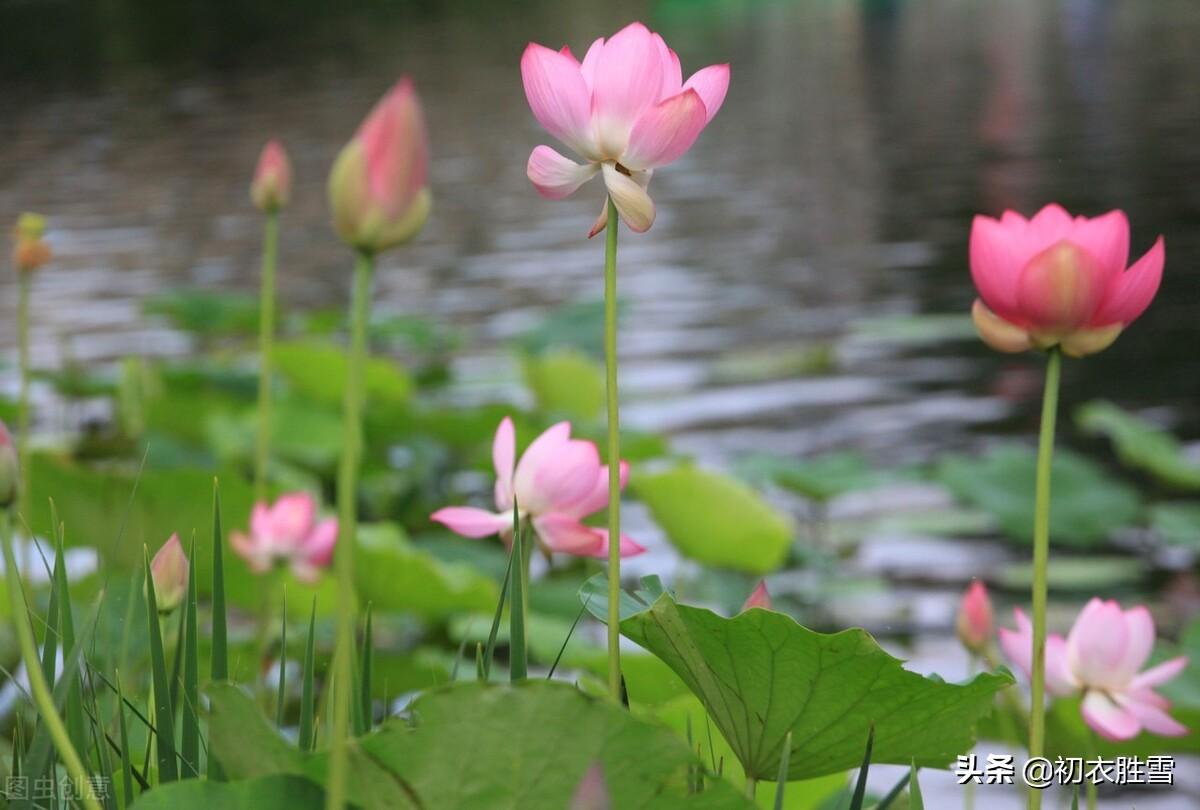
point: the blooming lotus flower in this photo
(30, 250)
(625, 110)
(557, 483)
(758, 598)
(1100, 659)
(1060, 281)
(378, 188)
(975, 618)
(169, 571)
(10, 469)
(272, 184)
(288, 533)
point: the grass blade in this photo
(481, 674)
(164, 720)
(281, 694)
(66, 631)
(915, 802)
(567, 640)
(307, 697)
(894, 793)
(98, 738)
(860, 789)
(366, 662)
(190, 742)
(517, 654)
(220, 644)
(1075, 798)
(126, 764)
(490, 651)
(785, 761)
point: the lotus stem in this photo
(1041, 559)
(42, 696)
(266, 342)
(614, 453)
(25, 500)
(343, 558)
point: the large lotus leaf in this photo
(1085, 504)
(318, 371)
(480, 747)
(1177, 523)
(761, 675)
(1140, 444)
(715, 519)
(567, 382)
(278, 792)
(819, 479)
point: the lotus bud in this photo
(272, 185)
(169, 569)
(378, 188)
(975, 618)
(758, 598)
(10, 471)
(30, 250)
(592, 793)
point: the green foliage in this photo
(716, 519)
(206, 313)
(567, 382)
(1178, 523)
(318, 371)
(820, 479)
(1086, 505)
(164, 713)
(837, 687)
(277, 792)
(1140, 444)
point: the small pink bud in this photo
(379, 189)
(758, 598)
(10, 471)
(592, 793)
(975, 618)
(169, 569)
(30, 250)
(272, 185)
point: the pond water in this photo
(835, 189)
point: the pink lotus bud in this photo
(10, 471)
(378, 188)
(975, 618)
(758, 598)
(30, 251)
(169, 569)
(1058, 280)
(272, 185)
(592, 793)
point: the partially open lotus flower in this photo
(624, 109)
(272, 185)
(1100, 659)
(288, 533)
(169, 570)
(379, 186)
(558, 482)
(1058, 280)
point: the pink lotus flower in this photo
(272, 184)
(169, 572)
(379, 186)
(625, 110)
(10, 469)
(1100, 659)
(975, 618)
(557, 483)
(758, 598)
(1057, 281)
(288, 533)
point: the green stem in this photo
(347, 529)
(24, 281)
(1093, 788)
(614, 454)
(751, 782)
(266, 341)
(1041, 559)
(42, 695)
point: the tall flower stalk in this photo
(626, 110)
(1059, 284)
(270, 192)
(380, 198)
(30, 252)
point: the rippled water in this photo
(836, 186)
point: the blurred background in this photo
(803, 291)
